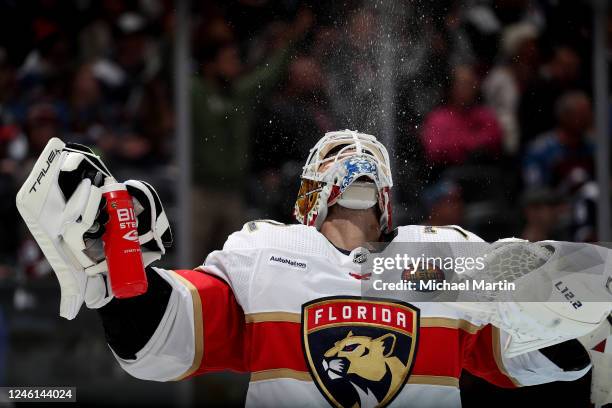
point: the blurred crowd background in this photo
(485, 105)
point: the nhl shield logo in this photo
(360, 351)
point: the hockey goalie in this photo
(283, 302)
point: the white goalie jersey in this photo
(282, 303)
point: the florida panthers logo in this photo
(359, 351)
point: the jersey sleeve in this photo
(484, 359)
(203, 327)
(234, 264)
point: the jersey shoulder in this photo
(270, 234)
(429, 233)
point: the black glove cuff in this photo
(569, 355)
(130, 323)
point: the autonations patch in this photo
(281, 260)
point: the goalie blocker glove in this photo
(62, 205)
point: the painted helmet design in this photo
(347, 168)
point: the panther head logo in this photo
(366, 363)
(360, 351)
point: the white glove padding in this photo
(154, 233)
(48, 215)
(62, 205)
(562, 292)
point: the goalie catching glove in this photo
(62, 205)
(563, 291)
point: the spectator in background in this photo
(351, 65)
(42, 124)
(87, 107)
(560, 74)
(424, 76)
(156, 117)
(553, 156)
(7, 81)
(295, 116)
(133, 62)
(584, 212)
(286, 128)
(443, 203)
(125, 76)
(503, 87)
(224, 99)
(462, 128)
(46, 70)
(541, 212)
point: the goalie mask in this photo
(347, 168)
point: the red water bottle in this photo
(121, 246)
